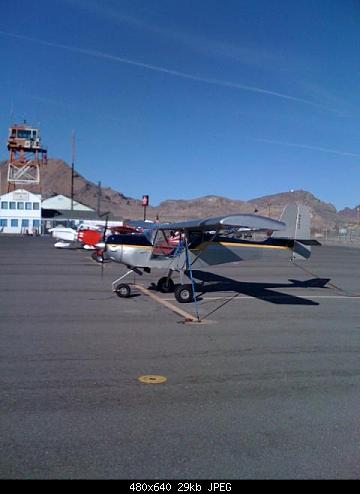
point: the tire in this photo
(99, 257)
(123, 290)
(96, 257)
(165, 285)
(184, 294)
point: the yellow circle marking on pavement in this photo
(151, 379)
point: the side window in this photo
(27, 205)
(162, 245)
(14, 223)
(36, 206)
(4, 205)
(3, 222)
(20, 205)
(25, 223)
(12, 205)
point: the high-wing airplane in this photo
(206, 242)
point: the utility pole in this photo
(269, 209)
(73, 142)
(98, 198)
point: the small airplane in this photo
(88, 235)
(183, 246)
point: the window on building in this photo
(36, 223)
(4, 205)
(24, 134)
(24, 223)
(3, 222)
(27, 205)
(14, 223)
(36, 206)
(20, 205)
(12, 205)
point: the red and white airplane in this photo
(88, 234)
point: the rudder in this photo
(297, 220)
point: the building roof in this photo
(65, 214)
(20, 195)
(63, 203)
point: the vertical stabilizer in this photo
(297, 220)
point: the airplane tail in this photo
(297, 231)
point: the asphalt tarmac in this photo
(268, 387)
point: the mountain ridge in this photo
(56, 179)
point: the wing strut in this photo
(189, 269)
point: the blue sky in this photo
(185, 98)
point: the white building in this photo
(61, 202)
(20, 212)
(60, 210)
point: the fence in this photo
(343, 237)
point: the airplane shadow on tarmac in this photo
(211, 283)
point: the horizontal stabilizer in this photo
(301, 251)
(309, 241)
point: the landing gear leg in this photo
(123, 290)
(114, 283)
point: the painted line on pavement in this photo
(166, 303)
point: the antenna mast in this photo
(73, 143)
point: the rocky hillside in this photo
(352, 215)
(201, 207)
(56, 179)
(323, 214)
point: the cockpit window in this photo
(129, 239)
(165, 243)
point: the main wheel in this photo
(123, 290)
(184, 294)
(99, 257)
(165, 285)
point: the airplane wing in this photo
(252, 221)
(146, 225)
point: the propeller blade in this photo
(104, 242)
(102, 245)
(102, 265)
(105, 228)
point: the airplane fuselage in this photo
(206, 253)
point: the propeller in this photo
(103, 242)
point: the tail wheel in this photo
(123, 290)
(165, 285)
(184, 294)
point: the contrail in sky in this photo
(164, 70)
(305, 146)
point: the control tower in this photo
(26, 156)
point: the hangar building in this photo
(62, 203)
